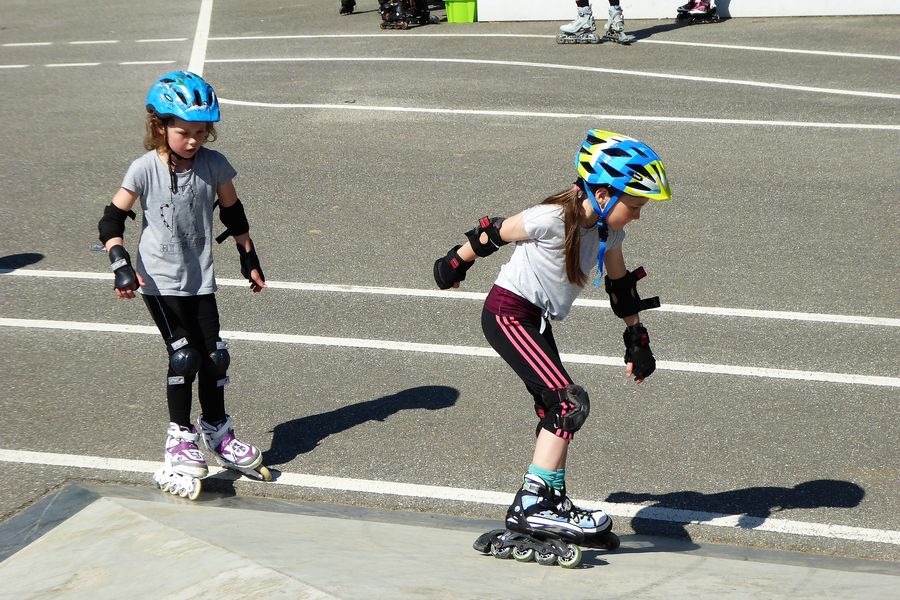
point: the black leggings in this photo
(530, 352)
(197, 319)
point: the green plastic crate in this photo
(461, 11)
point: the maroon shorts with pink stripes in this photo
(513, 327)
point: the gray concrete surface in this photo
(134, 543)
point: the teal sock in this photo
(555, 479)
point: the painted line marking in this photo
(148, 62)
(23, 44)
(86, 64)
(434, 492)
(537, 65)
(549, 115)
(88, 42)
(469, 351)
(201, 36)
(13, 66)
(156, 40)
(543, 36)
(480, 296)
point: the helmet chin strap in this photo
(602, 229)
(173, 179)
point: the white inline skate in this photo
(614, 30)
(580, 31)
(232, 453)
(183, 465)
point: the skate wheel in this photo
(264, 473)
(501, 553)
(523, 554)
(571, 559)
(610, 541)
(547, 559)
(196, 487)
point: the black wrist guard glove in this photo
(249, 261)
(623, 294)
(450, 269)
(126, 278)
(637, 351)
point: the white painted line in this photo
(480, 296)
(87, 64)
(468, 351)
(153, 41)
(148, 62)
(22, 44)
(201, 36)
(435, 492)
(87, 42)
(543, 36)
(549, 115)
(536, 65)
(13, 66)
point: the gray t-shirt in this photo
(537, 268)
(175, 249)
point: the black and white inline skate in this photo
(183, 464)
(347, 7)
(580, 31)
(543, 525)
(697, 12)
(614, 30)
(401, 14)
(231, 452)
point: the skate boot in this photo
(536, 529)
(614, 30)
(232, 453)
(596, 524)
(698, 11)
(183, 465)
(580, 31)
(347, 7)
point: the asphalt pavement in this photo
(760, 459)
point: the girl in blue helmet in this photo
(178, 183)
(557, 243)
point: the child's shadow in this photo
(670, 512)
(300, 436)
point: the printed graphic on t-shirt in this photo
(186, 233)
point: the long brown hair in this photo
(571, 202)
(156, 140)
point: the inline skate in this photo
(697, 12)
(614, 30)
(347, 7)
(580, 31)
(596, 524)
(537, 528)
(183, 465)
(232, 453)
(400, 14)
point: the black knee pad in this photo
(184, 360)
(220, 358)
(566, 409)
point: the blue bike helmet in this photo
(626, 166)
(184, 95)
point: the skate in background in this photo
(347, 7)
(698, 11)
(583, 30)
(178, 183)
(401, 14)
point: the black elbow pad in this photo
(234, 219)
(112, 223)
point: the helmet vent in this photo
(611, 171)
(182, 97)
(588, 167)
(616, 152)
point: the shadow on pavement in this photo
(300, 436)
(17, 261)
